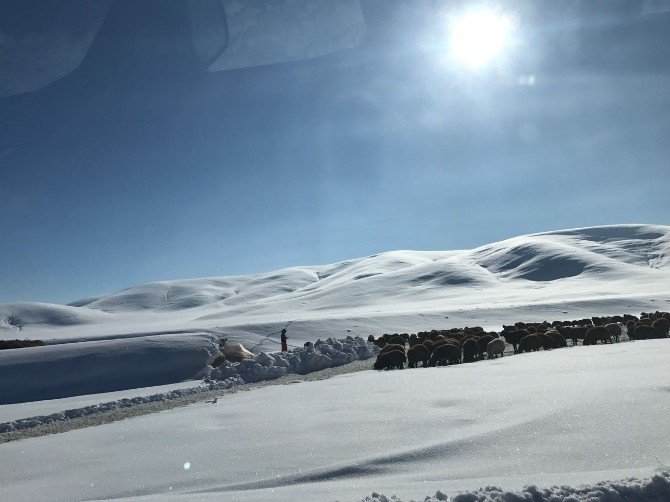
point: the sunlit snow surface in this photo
(567, 416)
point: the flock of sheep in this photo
(469, 344)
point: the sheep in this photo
(662, 324)
(530, 343)
(559, 340)
(614, 329)
(495, 347)
(235, 352)
(513, 337)
(417, 353)
(573, 333)
(397, 339)
(547, 341)
(445, 354)
(644, 332)
(470, 350)
(390, 360)
(392, 346)
(482, 343)
(598, 333)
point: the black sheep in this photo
(470, 350)
(662, 324)
(599, 333)
(644, 332)
(483, 344)
(513, 337)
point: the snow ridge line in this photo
(654, 489)
(322, 355)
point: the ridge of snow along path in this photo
(563, 417)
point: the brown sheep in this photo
(559, 341)
(470, 350)
(397, 339)
(392, 346)
(445, 354)
(530, 343)
(390, 360)
(417, 353)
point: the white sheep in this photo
(235, 352)
(495, 347)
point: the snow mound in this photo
(316, 357)
(71, 369)
(654, 489)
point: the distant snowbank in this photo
(654, 489)
(322, 355)
(319, 356)
(73, 369)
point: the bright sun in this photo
(477, 37)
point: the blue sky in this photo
(125, 172)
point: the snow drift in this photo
(654, 489)
(73, 369)
(318, 356)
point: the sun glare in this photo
(478, 37)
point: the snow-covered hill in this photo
(561, 266)
(553, 275)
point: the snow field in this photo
(571, 416)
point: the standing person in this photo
(284, 344)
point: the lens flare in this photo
(478, 37)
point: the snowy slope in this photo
(621, 260)
(567, 416)
(553, 275)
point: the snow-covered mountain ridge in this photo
(550, 267)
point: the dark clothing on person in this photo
(284, 344)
